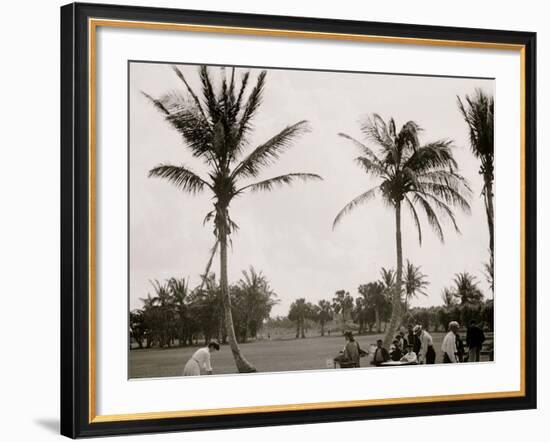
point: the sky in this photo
(287, 233)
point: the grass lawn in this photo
(268, 356)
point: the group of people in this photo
(412, 346)
(415, 346)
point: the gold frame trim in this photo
(93, 24)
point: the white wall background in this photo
(29, 218)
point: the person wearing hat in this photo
(426, 352)
(449, 349)
(351, 351)
(201, 360)
(413, 339)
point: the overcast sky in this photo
(287, 233)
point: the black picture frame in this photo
(75, 220)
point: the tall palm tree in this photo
(478, 112)
(411, 174)
(216, 129)
(415, 283)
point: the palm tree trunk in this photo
(242, 364)
(396, 301)
(490, 212)
(377, 319)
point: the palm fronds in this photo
(478, 112)
(358, 200)
(270, 151)
(418, 175)
(182, 177)
(287, 179)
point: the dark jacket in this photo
(474, 336)
(414, 341)
(460, 348)
(396, 355)
(383, 352)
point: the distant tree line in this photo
(175, 315)
(371, 310)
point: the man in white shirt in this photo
(450, 352)
(201, 360)
(426, 354)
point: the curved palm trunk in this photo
(242, 364)
(396, 313)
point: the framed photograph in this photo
(274, 220)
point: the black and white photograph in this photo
(274, 221)
(287, 220)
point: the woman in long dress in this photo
(201, 360)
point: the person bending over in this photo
(200, 361)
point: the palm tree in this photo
(411, 174)
(466, 289)
(299, 311)
(160, 313)
(360, 314)
(448, 297)
(138, 327)
(374, 297)
(415, 283)
(256, 301)
(216, 129)
(342, 303)
(387, 279)
(478, 112)
(180, 293)
(324, 314)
